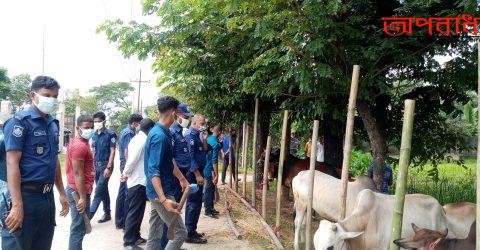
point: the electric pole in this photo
(139, 91)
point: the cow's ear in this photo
(349, 235)
(415, 228)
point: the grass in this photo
(455, 183)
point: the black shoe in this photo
(196, 234)
(224, 183)
(215, 212)
(105, 218)
(122, 228)
(211, 215)
(196, 240)
(141, 241)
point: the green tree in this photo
(5, 86)
(219, 55)
(20, 88)
(113, 96)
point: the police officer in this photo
(126, 136)
(196, 137)
(181, 156)
(103, 144)
(31, 142)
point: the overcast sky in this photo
(74, 54)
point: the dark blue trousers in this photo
(38, 222)
(136, 200)
(209, 194)
(101, 192)
(194, 205)
(121, 205)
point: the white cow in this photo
(459, 218)
(372, 219)
(326, 198)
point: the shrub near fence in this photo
(455, 184)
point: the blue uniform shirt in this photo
(158, 161)
(180, 147)
(37, 138)
(226, 144)
(125, 137)
(195, 148)
(3, 158)
(212, 155)
(387, 176)
(102, 144)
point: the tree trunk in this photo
(264, 116)
(377, 139)
(332, 141)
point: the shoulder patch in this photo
(113, 140)
(192, 142)
(17, 131)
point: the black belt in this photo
(36, 188)
(101, 163)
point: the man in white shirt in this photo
(320, 150)
(134, 174)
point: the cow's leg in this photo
(300, 210)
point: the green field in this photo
(455, 183)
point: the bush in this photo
(359, 162)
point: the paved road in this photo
(105, 236)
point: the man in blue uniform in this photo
(181, 156)
(211, 172)
(196, 137)
(103, 144)
(127, 134)
(31, 142)
(160, 173)
(387, 176)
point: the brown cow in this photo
(292, 166)
(426, 239)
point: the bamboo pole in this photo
(311, 183)
(404, 161)
(245, 162)
(347, 146)
(243, 147)
(265, 177)
(254, 153)
(283, 147)
(237, 162)
(230, 160)
(478, 152)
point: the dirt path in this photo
(106, 236)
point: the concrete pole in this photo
(265, 177)
(254, 153)
(311, 183)
(77, 114)
(61, 119)
(245, 161)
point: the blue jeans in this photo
(8, 241)
(77, 228)
(194, 205)
(209, 194)
(38, 222)
(101, 192)
(121, 206)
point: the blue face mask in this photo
(46, 104)
(202, 128)
(87, 134)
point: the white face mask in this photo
(46, 104)
(97, 126)
(87, 133)
(184, 122)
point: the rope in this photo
(263, 184)
(434, 244)
(276, 229)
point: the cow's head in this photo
(422, 239)
(272, 164)
(331, 236)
